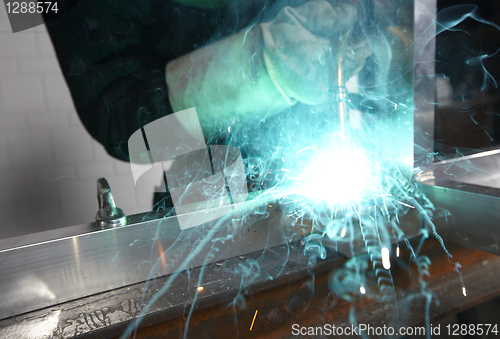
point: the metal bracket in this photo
(108, 215)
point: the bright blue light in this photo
(338, 176)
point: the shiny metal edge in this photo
(482, 169)
(484, 154)
(45, 236)
(33, 239)
(424, 55)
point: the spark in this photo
(342, 233)
(464, 291)
(397, 251)
(302, 150)
(407, 205)
(162, 257)
(265, 175)
(255, 316)
(296, 212)
(385, 258)
(362, 290)
(200, 288)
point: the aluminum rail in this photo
(52, 267)
(107, 314)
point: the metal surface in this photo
(467, 192)
(108, 215)
(464, 189)
(481, 169)
(36, 273)
(280, 308)
(468, 214)
(107, 314)
(424, 55)
(395, 74)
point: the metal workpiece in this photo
(482, 169)
(424, 56)
(278, 311)
(48, 269)
(467, 214)
(58, 266)
(466, 192)
(107, 314)
(108, 215)
(384, 105)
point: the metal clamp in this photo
(108, 215)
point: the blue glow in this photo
(338, 176)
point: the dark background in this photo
(470, 119)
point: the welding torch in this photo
(341, 109)
(341, 91)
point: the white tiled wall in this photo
(49, 164)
